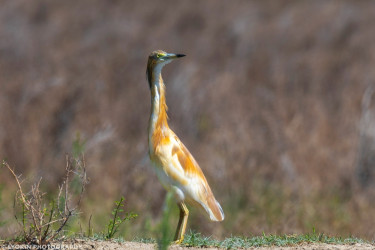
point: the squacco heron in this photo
(175, 167)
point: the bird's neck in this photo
(158, 118)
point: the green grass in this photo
(197, 240)
(193, 239)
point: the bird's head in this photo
(157, 60)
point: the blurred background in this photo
(274, 99)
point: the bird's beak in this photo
(172, 56)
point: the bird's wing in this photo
(184, 173)
(177, 162)
(186, 161)
(196, 184)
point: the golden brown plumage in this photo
(175, 166)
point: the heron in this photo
(174, 165)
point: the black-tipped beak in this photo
(173, 56)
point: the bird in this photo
(175, 166)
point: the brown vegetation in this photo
(41, 220)
(270, 100)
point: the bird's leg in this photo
(181, 227)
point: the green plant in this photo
(78, 146)
(165, 229)
(117, 219)
(2, 222)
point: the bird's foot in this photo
(179, 241)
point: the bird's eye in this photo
(158, 55)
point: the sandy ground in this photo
(134, 245)
(84, 244)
